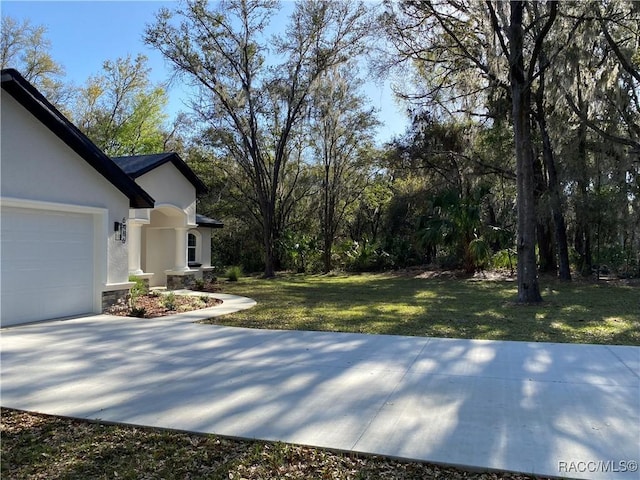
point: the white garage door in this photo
(46, 265)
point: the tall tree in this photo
(620, 26)
(121, 111)
(469, 52)
(254, 92)
(26, 48)
(521, 77)
(545, 101)
(594, 88)
(553, 183)
(340, 131)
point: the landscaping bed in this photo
(155, 304)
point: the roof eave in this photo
(206, 225)
(203, 221)
(31, 99)
(158, 161)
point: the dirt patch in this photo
(156, 305)
(430, 273)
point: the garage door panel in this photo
(47, 264)
(20, 297)
(14, 280)
(58, 300)
(61, 257)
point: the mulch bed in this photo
(156, 305)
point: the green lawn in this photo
(40, 446)
(578, 312)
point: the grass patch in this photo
(578, 312)
(42, 446)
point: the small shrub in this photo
(169, 301)
(139, 312)
(198, 284)
(504, 259)
(233, 273)
(480, 252)
(367, 257)
(138, 290)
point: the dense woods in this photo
(523, 150)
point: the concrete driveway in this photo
(547, 409)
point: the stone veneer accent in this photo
(178, 282)
(113, 297)
(143, 277)
(209, 276)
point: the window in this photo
(192, 248)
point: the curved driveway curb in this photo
(230, 304)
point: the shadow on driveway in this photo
(528, 407)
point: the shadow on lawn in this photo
(571, 313)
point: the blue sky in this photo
(84, 34)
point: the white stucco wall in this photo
(159, 248)
(36, 165)
(142, 215)
(168, 186)
(205, 246)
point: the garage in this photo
(47, 268)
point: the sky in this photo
(83, 34)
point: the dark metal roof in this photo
(31, 99)
(137, 165)
(203, 221)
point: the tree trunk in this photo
(268, 215)
(560, 228)
(326, 216)
(546, 255)
(553, 186)
(528, 288)
(326, 254)
(582, 239)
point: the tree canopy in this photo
(523, 150)
(253, 104)
(121, 111)
(26, 48)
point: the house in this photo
(171, 226)
(74, 223)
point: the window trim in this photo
(196, 248)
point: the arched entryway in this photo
(162, 242)
(158, 237)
